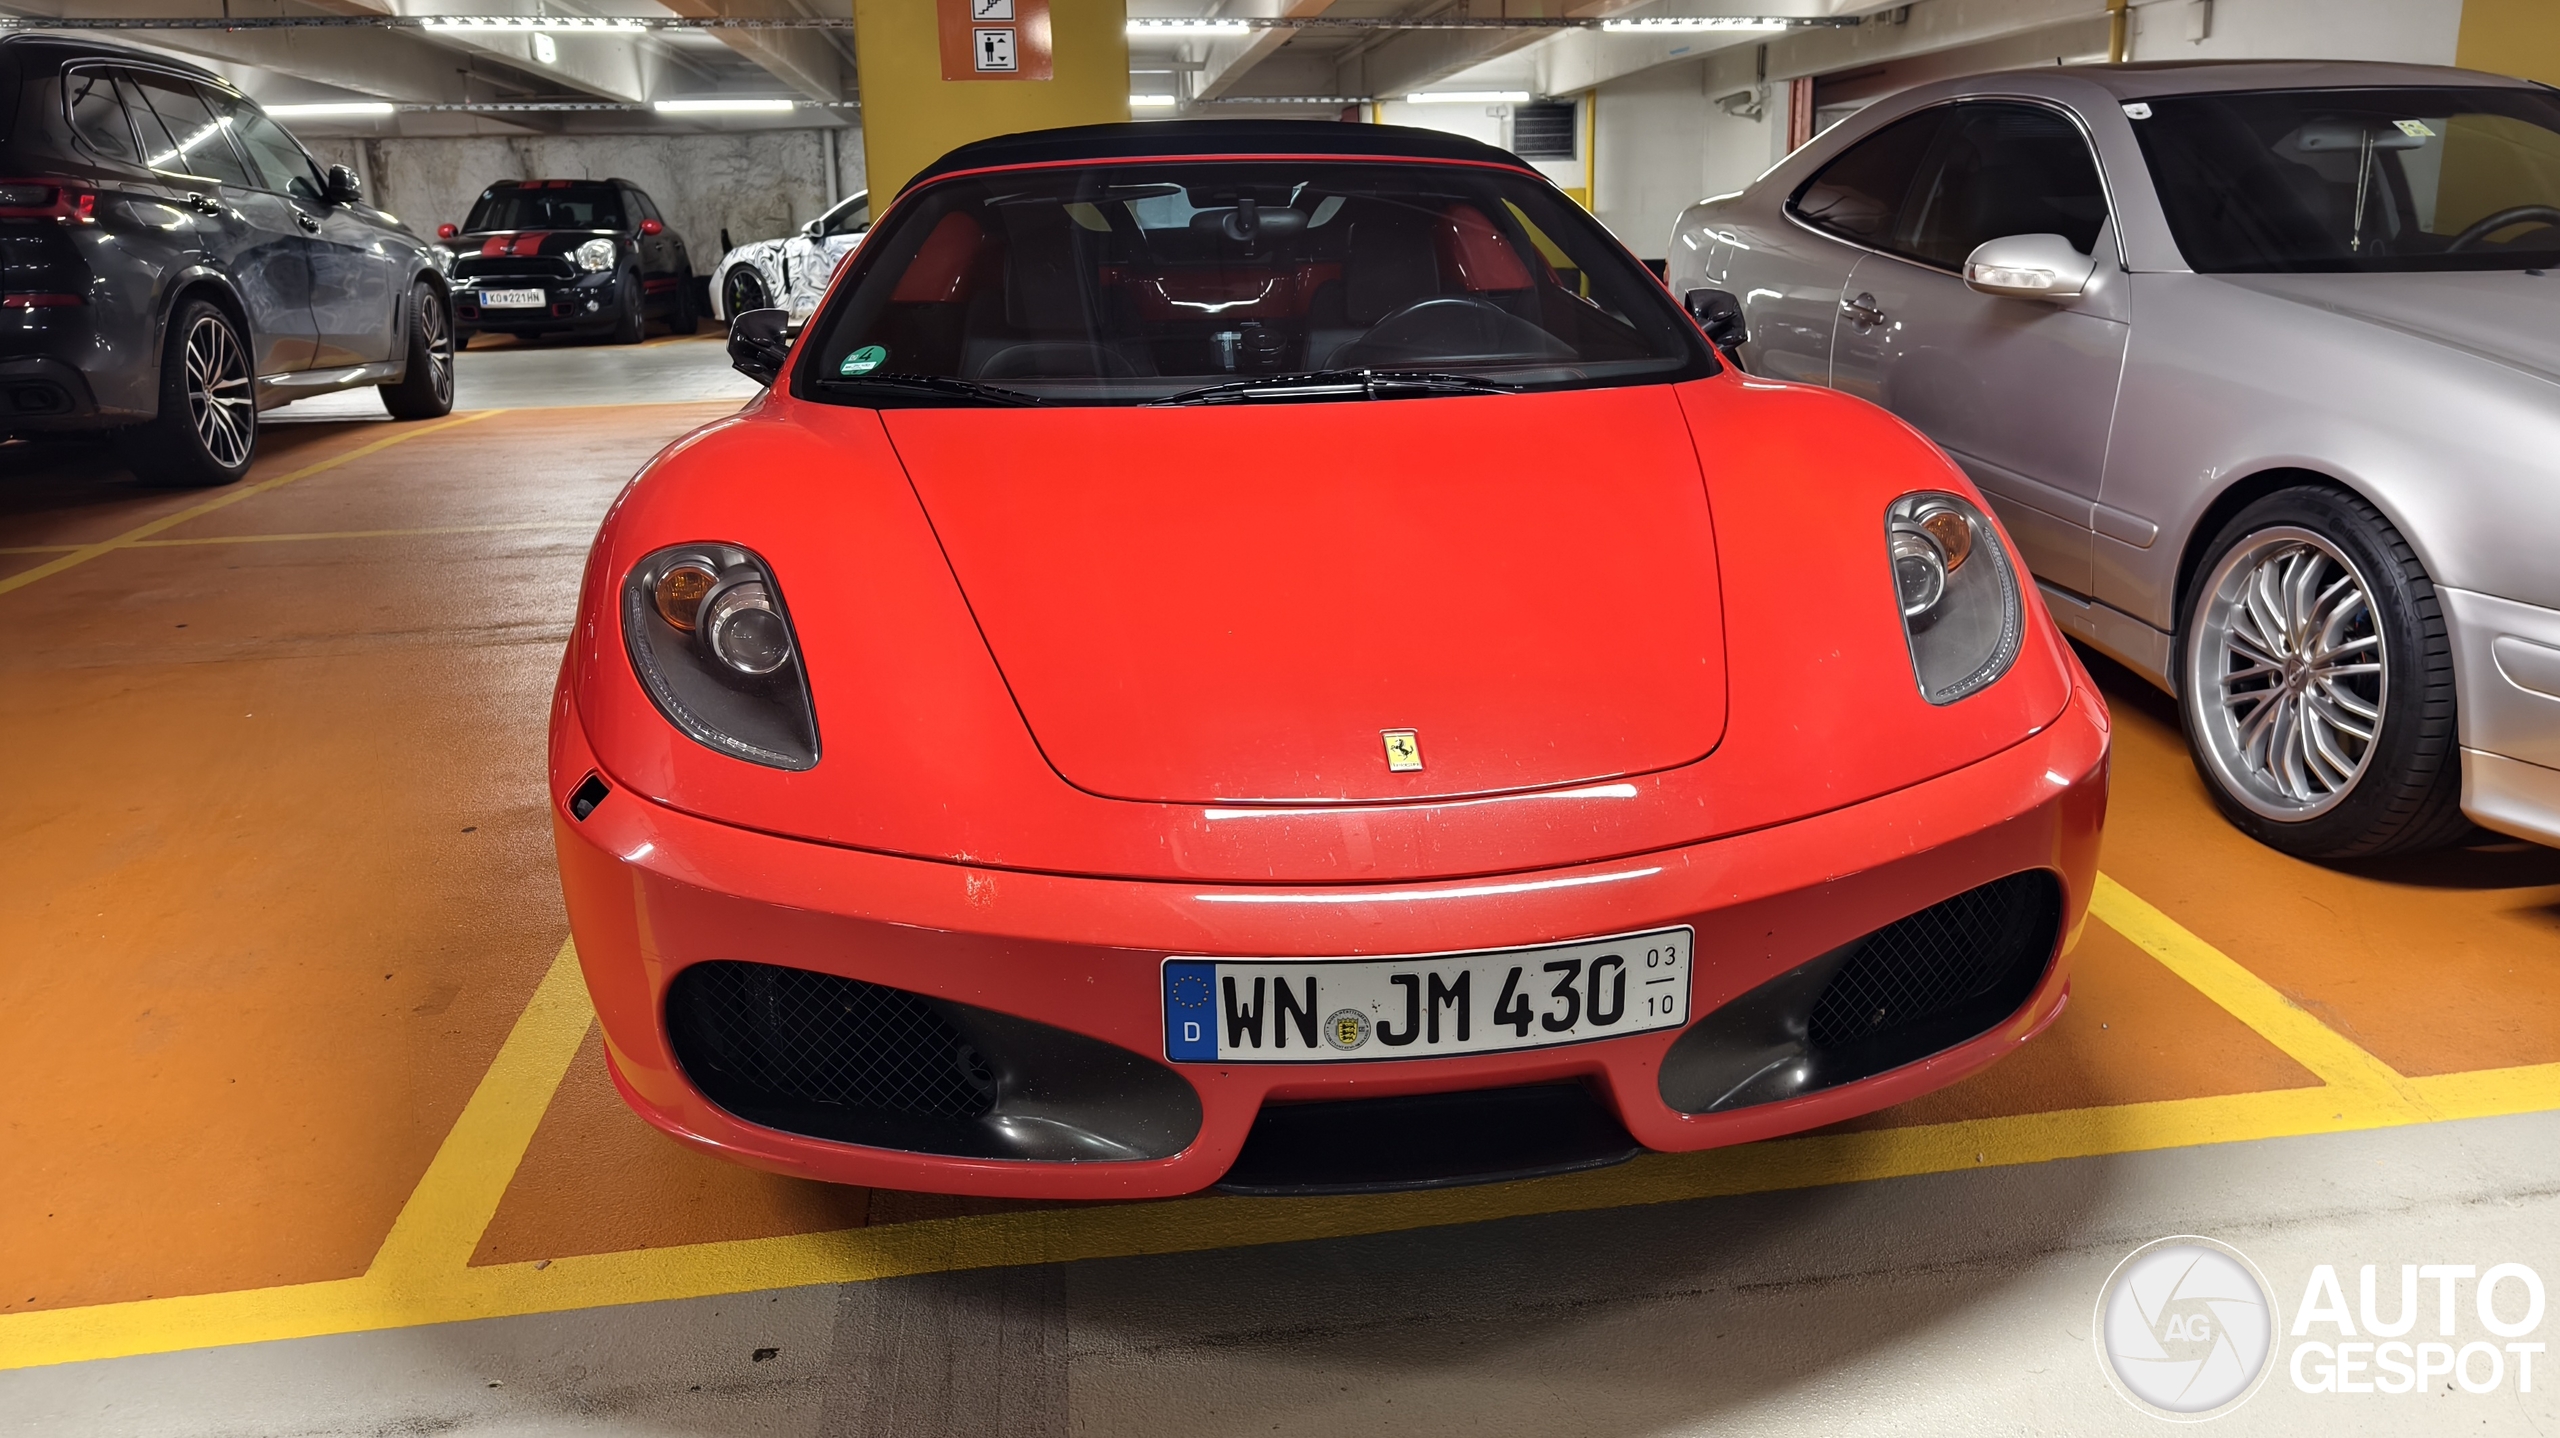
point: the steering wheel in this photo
(1451, 328)
(2488, 225)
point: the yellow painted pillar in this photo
(913, 112)
(2510, 37)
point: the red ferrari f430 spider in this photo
(1277, 656)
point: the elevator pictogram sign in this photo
(995, 39)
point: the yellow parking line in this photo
(457, 1196)
(423, 1275)
(583, 526)
(228, 497)
(2338, 1061)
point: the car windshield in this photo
(1134, 283)
(2452, 178)
(548, 205)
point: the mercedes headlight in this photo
(1957, 591)
(595, 256)
(713, 646)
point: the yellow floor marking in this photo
(459, 1193)
(2339, 1062)
(584, 526)
(422, 1274)
(227, 498)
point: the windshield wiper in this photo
(1327, 384)
(937, 384)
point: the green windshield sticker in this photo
(863, 360)
(2415, 129)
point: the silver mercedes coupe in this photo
(2259, 364)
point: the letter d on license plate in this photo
(1425, 1006)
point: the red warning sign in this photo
(995, 39)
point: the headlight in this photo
(594, 255)
(1957, 591)
(712, 645)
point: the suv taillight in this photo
(46, 200)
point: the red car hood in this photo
(1231, 603)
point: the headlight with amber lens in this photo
(595, 256)
(712, 644)
(1958, 593)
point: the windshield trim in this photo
(804, 377)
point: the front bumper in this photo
(589, 303)
(652, 891)
(2507, 706)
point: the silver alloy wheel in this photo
(438, 336)
(2286, 683)
(219, 399)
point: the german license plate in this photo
(511, 299)
(1426, 1006)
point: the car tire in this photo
(632, 326)
(2307, 742)
(741, 290)
(688, 318)
(426, 391)
(206, 432)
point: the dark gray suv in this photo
(172, 262)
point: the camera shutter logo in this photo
(2185, 1329)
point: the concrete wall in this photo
(758, 183)
(2420, 32)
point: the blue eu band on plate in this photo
(1425, 1006)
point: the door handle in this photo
(203, 206)
(1862, 311)
(309, 225)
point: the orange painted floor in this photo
(279, 883)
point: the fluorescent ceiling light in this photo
(1188, 27)
(1747, 24)
(1470, 97)
(720, 107)
(532, 22)
(1153, 102)
(331, 107)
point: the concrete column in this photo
(911, 115)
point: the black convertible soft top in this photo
(1216, 137)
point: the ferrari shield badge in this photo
(1404, 750)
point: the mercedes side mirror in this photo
(2029, 267)
(344, 187)
(1720, 315)
(759, 343)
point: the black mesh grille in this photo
(816, 1038)
(1544, 132)
(1937, 959)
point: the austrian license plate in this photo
(1426, 1006)
(511, 299)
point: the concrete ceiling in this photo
(570, 64)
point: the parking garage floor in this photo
(308, 1130)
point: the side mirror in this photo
(652, 227)
(344, 188)
(810, 230)
(2029, 267)
(447, 231)
(1720, 315)
(760, 343)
